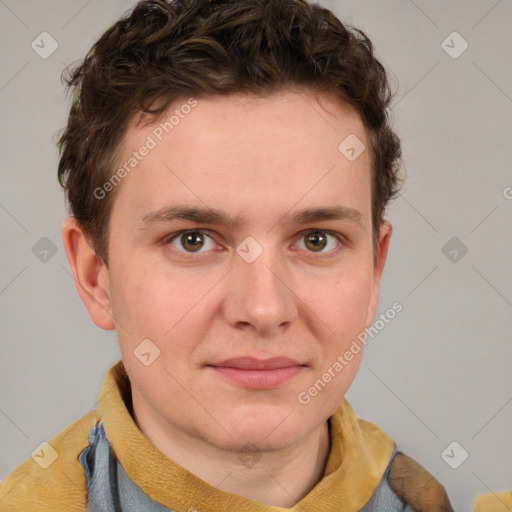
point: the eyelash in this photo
(339, 237)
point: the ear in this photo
(90, 274)
(384, 238)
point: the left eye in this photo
(318, 239)
(193, 240)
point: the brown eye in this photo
(316, 240)
(189, 241)
(192, 241)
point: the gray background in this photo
(438, 373)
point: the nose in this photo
(260, 296)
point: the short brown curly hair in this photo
(165, 50)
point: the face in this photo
(273, 285)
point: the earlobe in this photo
(89, 273)
(384, 238)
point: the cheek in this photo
(158, 302)
(342, 300)
(354, 300)
(138, 301)
(152, 300)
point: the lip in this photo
(252, 363)
(258, 373)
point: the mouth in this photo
(255, 373)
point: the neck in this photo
(279, 478)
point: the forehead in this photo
(299, 113)
(248, 153)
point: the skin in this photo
(260, 158)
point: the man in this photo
(228, 164)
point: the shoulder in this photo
(52, 479)
(416, 487)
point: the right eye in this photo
(191, 240)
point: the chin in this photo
(263, 433)
(258, 442)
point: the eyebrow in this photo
(204, 215)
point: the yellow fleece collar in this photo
(360, 453)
